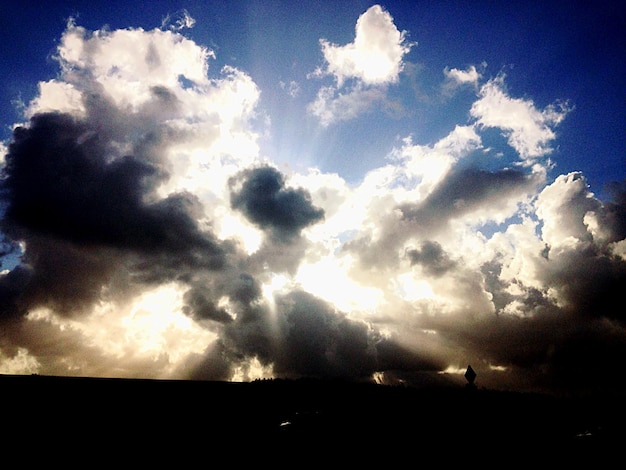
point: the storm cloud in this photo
(267, 203)
(145, 233)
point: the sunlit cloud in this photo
(153, 234)
(529, 130)
(372, 61)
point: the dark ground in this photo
(300, 422)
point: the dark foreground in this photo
(301, 422)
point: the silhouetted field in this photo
(310, 420)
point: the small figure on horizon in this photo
(470, 376)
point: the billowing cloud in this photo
(375, 56)
(432, 257)
(261, 195)
(528, 130)
(105, 192)
(153, 238)
(372, 61)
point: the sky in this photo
(380, 192)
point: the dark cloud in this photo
(321, 342)
(460, 193)
(279, 256)
(305, 336)
(85, 213)
(12, 285)
(262, 196)
(613, 212)
(464, 191)
(565, 332)
(59, 182)
(567, 296)
(201, 306)
(431, 256)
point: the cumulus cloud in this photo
(375, 56)
(370, 63)
(261, 195)
(456, 78)
(101, 188)
(155, 241)
(529, 130)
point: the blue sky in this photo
(549, 51)
(197, 189)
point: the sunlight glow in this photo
(277, 283)
(234, 227)
(251, 370)
(153, 313)
(21, 363)
(454, 369)
(329, 279)
(411, 289)
(152, 328)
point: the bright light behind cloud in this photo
(174, 245)
(156, 324)
(152, 331)
(373, 60)
(375, 56)
(329, 279)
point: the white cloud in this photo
(21, 363)
(374, 60)
(375, 56)
(55, 95)
(404, 250)
(529, 130)
(209, 123)
(562, 206)
(292, 88)
(178, 21)
(419, 168)
(331, 106)
(461, 77)
(156, 58)
(456, 78)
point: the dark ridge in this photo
(313, 419)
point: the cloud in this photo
(267, 203)
(331, 106)
(456, 78)
(61, 185)
(461, 77)
(370, 63)
(159, 58)
(154, 240)
(375, 56)
(178, 21)
(431, 257)
(105, 194)
(292, 88)
(528, 130)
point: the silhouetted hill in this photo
(312, 418)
